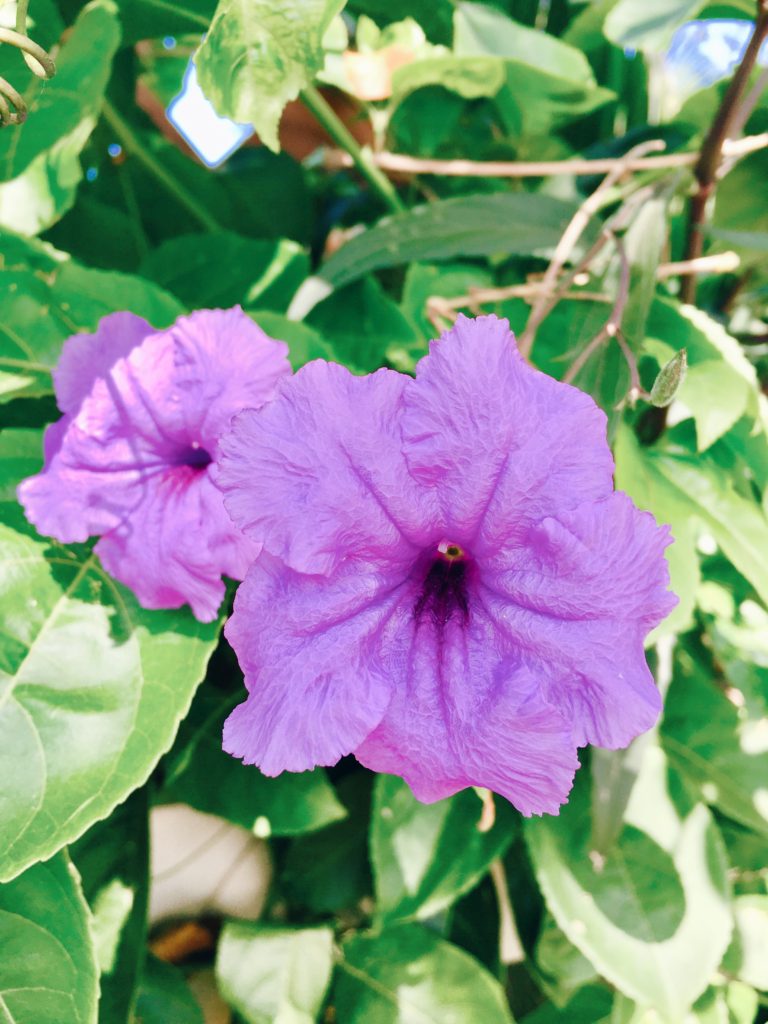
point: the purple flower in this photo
(454, 592)
(131, 460)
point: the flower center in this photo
(443, 591)
(195, 456)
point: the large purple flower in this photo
(453, 591)
(131, 460)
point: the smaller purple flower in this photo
(454, 591)
(131, 460)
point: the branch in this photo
(400, 163)
(570, 237)
(712, 152)
(612, 326)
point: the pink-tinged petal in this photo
(86, 357)
(583, 591)
(319, 473)
(316, 655)
(500, 443)
(173, 545)
(471, 713)
(223, 363)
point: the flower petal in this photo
(582, 592)
(319, 474)
(501, 443)
(472, 714)
(86, 357)
(173, 545)
(223, 362)
(316, 654)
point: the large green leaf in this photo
(719, 746)
(39, 164)
(418, 865)
(211, 270)
(274, 975)
(649, 25)
(113, 860)
(46, 297)
(198, 772)
(652, 914)
(147, 19)
(407, 975)
(506, 223)
(93, 687)
(258, 55)
(48, 971)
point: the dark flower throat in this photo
(444, 588)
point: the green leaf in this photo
(48, 970)
(113, 860)
(366, 328)
(591, 1004)
(274, 975)
(746, 957)
(225, 269)
(198, 772)
(479, 225)
(164, 996)
(424, 281)
(649, 26)
(93, 686)
(407, 975)
(716, 744)
(42, 304)
(652, 915)
(304, 342)
(545, 82)
(257, 56)
(327, 871)
(419, 867)
(148, 19)
(469, 77)
(39, 164)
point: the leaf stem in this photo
(363, 161)
(136, 148)
(711, 155)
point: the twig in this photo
(570, 237)
(401, 163)
(716, 263)
(612, 326)
(711, 155)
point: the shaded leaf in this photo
(93, 686)
(48, 971)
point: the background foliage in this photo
(646, 900)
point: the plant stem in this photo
(133, 145)
(329, 120)
(711, 154)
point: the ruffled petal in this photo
(501, 444)
(319, 475)
(582, 592)
(320, 661)
(173, 545)
(86, 357)
(472, 713)
(223, 363)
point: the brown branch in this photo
(712, 151)
(401, 163)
